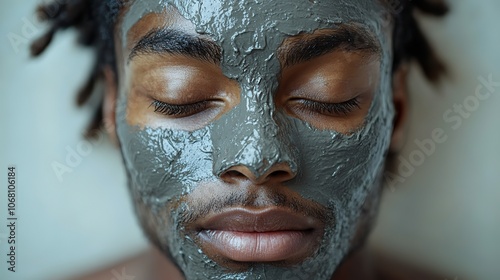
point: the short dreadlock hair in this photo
(95, 21)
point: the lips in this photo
(262, 235)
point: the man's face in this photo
(254, 133)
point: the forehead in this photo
(242, 22)
(250, 32)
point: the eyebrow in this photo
(176, 42)
(307, 46)
(294, 50)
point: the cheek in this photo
(164, 164)
(343, 169)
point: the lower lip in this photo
(258, 246)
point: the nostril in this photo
(232, 175)
(280, 175)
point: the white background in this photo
(446, 215)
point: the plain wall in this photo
(84, 219)
(445, 214)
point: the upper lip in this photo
(258, 220)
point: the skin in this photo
(253, 143)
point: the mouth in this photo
(263, 235)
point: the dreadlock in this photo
(94, 21)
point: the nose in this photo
(278, 173)
(258, 148)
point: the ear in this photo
(401, 106)
(109, 103)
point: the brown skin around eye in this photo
(173, 79)
(343, 82)
(179, 82)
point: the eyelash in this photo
(343, 108)
(179, 111)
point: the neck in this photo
(163, 268)
(357, 265)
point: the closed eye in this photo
(330, 109)
(180, 111)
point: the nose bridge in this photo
(251, 136)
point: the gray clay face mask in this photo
(176, 176)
